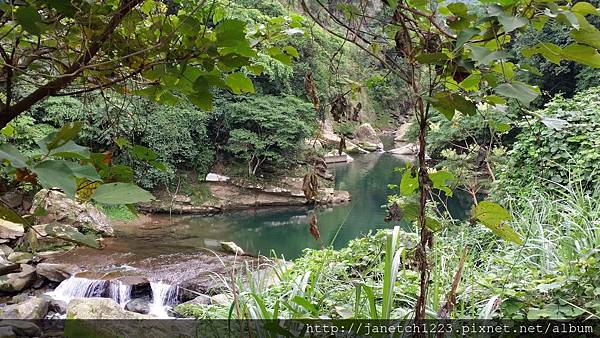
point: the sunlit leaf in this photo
(495, 218)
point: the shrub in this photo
(546, 153)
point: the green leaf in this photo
(517, 90)
(448, 103)
(585, 8)
(409, 183)
(495, 217)
(484, 55)
(471, 83)
(510, 23)
(28, 17)
(441, 180)
(11, 154)
(465, 35)
(56, 174)
(68, 132)
(8, 131)
(550, 51)
(84, 171)
(121, 193)
(291, 51)
(589, 36)
(71, 150)
(584, 55)
(432, 58)
(68, 233)
(239, 83)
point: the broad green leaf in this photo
(441, 180)
(550, 51)
(517, 90)
(585, 8)
(582, 54)
(510, 23)
(459, 9)
(11, 154)
(121, 193)
(495, 218)
(64, 7)
(255, 69)
(507, 69)
(143, 153)
(465, 35)
(70, 234)
(219, 14)
(239, 83)
(71, 150)
(68, 132)
(409, 183)
(484, 55)
(590, 37)
(291, 51)
(56, 174)
(471, 83)
(28, 17)
(8, 214)
(448, 103)
(84, 171)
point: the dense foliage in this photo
(559, 155)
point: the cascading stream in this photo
(163, 295)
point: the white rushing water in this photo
(76, 287)
(163, 295)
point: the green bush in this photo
(559, 156)
(268, 130)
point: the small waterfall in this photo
(76, 287)
(120, 292)
(163, 295)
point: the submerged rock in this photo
(99, 308)
(138, 305)
(57, 272)
(62, 209)
(18, 281)
(233, 248)
(32, 308)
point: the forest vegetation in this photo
(116, 103)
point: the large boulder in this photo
(32, 308)
(57, 272)
(99, 308)
(64, 210)
(21, 328)
(18, 281)
(367, 138)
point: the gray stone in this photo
(20, 257)
(200, 300)
(22, 328)
(57, 272)
(18, 281)
(138, 305)
(400, 134)
(99, 308)
(7, 267)
(366, 137)
(10, 230)
(32, 308)
(233, 248)
(65, 210)
(20, 297)
(220, 299)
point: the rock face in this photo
(367, 138)
(57, 272)
(32, 308)
(233, 248)
(17, 281)
(99, 308)
(64, 210)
